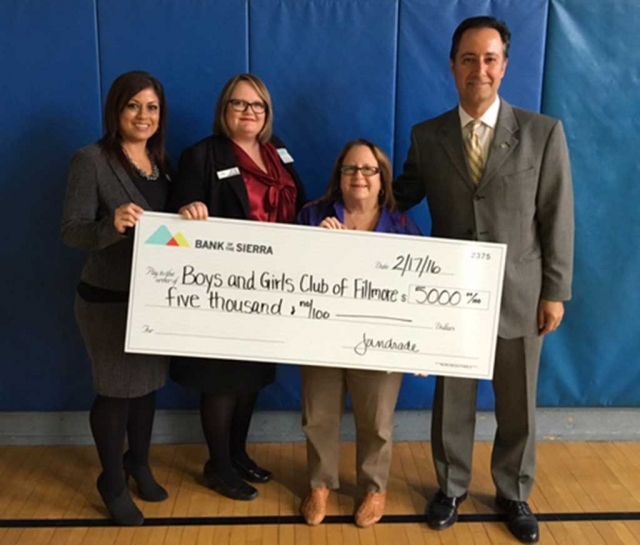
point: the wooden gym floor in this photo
(586, 493)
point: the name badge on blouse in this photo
(285, 156)
(227, 173)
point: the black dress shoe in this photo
(230, 485)
(250, 471)
(148, 487)
(443, 510)
(120, 505)
(520, 520)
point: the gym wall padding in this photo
(592, 82)
(49, 92)
(337, 70)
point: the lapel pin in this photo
(504, 145)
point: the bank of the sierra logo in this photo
(163, 237)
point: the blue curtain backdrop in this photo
(337, 70)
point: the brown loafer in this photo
(314, 506)
(371, 509)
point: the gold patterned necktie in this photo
(474, 151)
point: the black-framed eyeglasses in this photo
(350, 170)
(242, 105)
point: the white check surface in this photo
(305, 295)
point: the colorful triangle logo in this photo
(163, 237)
(182, 242)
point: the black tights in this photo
(113, 417)
(225, 423)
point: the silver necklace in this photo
(155, 171)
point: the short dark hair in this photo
(220, 122)
(481, 22)
(386, 198)
(123, 89)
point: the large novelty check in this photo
(305, 295)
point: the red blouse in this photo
(272, 194)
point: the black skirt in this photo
(215, 376)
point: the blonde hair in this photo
(220, 123)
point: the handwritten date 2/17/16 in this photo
(408, 263)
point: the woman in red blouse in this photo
(242, 171)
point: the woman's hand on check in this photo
(194, 211)
(126, 216)
(331, 223)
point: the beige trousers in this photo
(374, 395)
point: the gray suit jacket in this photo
(98, 185)
(524, 199)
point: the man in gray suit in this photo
(492, 172)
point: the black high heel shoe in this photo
(148, 487)
(250, 471)
(230, 486)
(121, 507)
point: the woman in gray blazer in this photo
(110, 185)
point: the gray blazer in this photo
(524, 199)
(98, 185)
